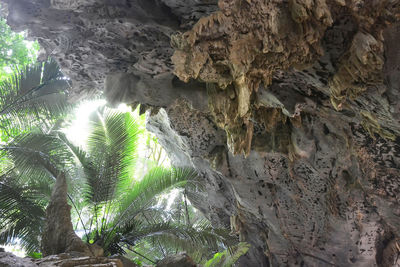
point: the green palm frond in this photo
(40, 158)
(119, 211)
(35, 96)
(134, 205)
(112, 144)
(22, 214)
(82, 166)
(76, 152)
(168, 238)
(228, 258)
(38, 155)
(183, 236)
(43, 189)
(156, 181)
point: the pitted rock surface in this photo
(241, 46)
(10, 260)
(93, 38)
(307, 90)
(63, 260)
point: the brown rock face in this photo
(59, 235)
(10, 260)
(242, 46)
(63, 260)
(177, 260)
(308, 90)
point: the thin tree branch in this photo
(141, 255)
(158, 242)
(79, 215)
(22, 96)
(186, 209)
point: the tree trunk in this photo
(58, 235)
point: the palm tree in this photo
(121, 210)
(33, 99)
(36, 158)
(43, 159)
(124, 211)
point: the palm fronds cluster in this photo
(34, 97)
(32, 101)
(126, 212)
(111, 206)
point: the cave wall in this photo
(289, 110)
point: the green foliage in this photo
(125, 212)
(22, 212)
(137, 262)
(133, 212)
(25, 189)
(115, 209)
(39, 158)
(216, 260)
(28, 105)
(228, 258)
(197, 240)
(15, 51)
(122, 210)
(35, 255)
(112, 148)
(200, 240)
(33, 97)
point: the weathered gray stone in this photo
(10, 260)
(58, 235)
(65, 260)
(177, 260)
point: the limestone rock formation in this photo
(10, 260)
(177, 260)
(61, 260)
(59, 235)
(291, 110)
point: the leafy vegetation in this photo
(34, 97)
(123, 212)
(227, 257)
(15, 51)
(32, 102)
(22, 212)
(119, 207)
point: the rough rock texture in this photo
(59, 235)
(61, 260)
(177, 260)
(291, 112)
(242, 46)
(10, 260)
